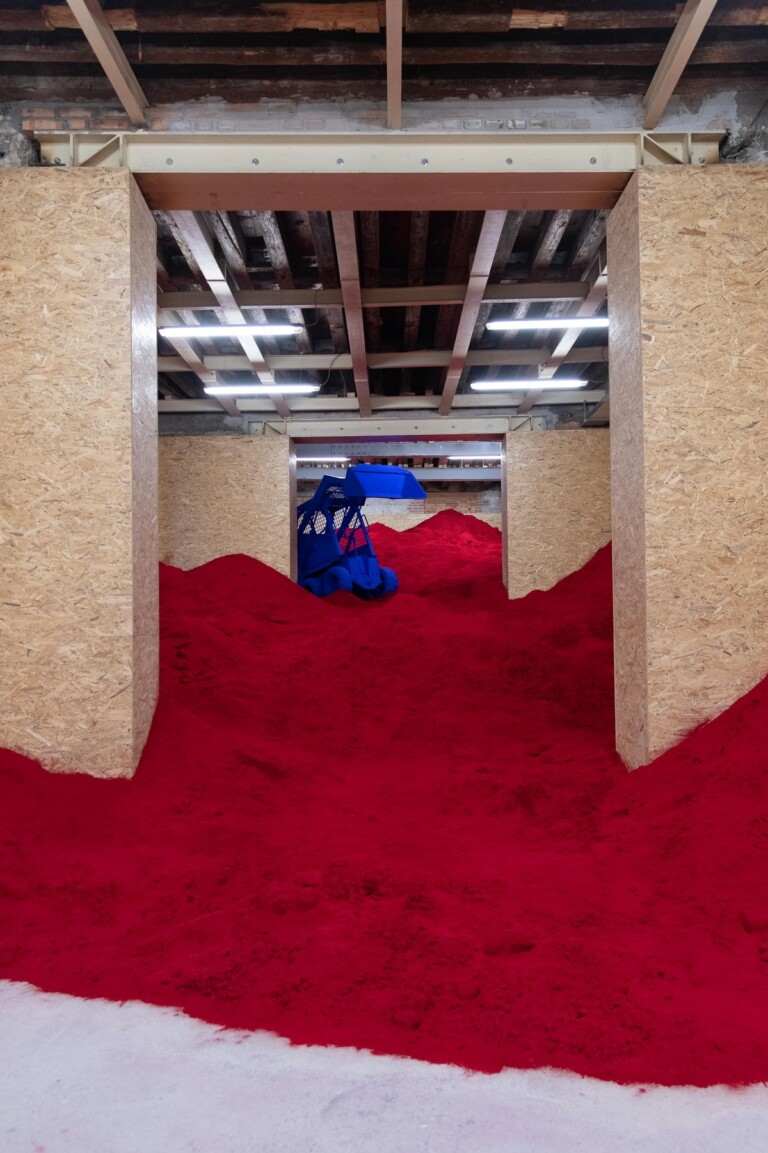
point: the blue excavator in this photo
(334, 546)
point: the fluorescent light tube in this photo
(568, 322)
(260, 389)
(563, 382)
(474, 458)
(323, 459)
(212, 331)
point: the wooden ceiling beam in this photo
(553, 227)
(682, 44)
(418, 233)
(591, 236)
(351, 55)
(349, 273)
(362, 16)
(369, 236)
(277, 252)
(464, 234)
(509, 234)
(568, 14)
(482, 263)
(98, 32)
(320, 16)
(328, 275)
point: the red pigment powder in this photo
(402, 826)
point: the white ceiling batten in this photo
(418, 358)
(540, 292)
(488, 242)
(345, 239)
(98, 32)
(195, 231)
(682, 42)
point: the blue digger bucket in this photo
(387, 480)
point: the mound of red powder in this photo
(402, 826)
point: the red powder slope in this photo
(402, 826)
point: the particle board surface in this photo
(223, 495)
(72, 429)
(702, 443)
(144, 468)
(558, 505)
(627, 479)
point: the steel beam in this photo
(515, 171)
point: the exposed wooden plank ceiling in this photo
(372, 50)
(424, 307)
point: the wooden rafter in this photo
(551, 233)
(678, 52)
(345, 55)
(417, 259)
(490, 234)
(328, 275)
(362, 16)
(349, 274)
(99, 34)
(369, 236)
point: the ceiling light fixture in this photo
(470, 457)
(560, 383)
(214, 331)
(567, 322)
(323, 459)
(260, 389)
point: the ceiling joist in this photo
(490, 234)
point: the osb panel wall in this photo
(221, 495)
(628, 491)
(558, 505)
(67, 445)
(703, 264)
(405, 514)
(144, 466)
